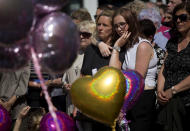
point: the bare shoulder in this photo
(145, 46)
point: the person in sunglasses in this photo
(174, 78)
(87, 37)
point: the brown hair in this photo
(81, 14)
(33, 118)
(131, 19)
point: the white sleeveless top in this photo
(130, 61)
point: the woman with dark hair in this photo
(139, 56)
(174, 77)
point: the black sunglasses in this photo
(182, 17)
(86, 34)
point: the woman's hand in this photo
(123, 39)
(23, 112)
(169, 93)
(161, 97)
(67, 86)
(104, 49)
(6, 105)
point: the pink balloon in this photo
(134, 88)
(16, 20)
(66, 123)
(5, 120)
(56, 42)
(15, 56)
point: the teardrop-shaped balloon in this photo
(15, 56)
(16, 20)
(56, 42)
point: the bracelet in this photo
(115, 53)
(117, 48)
(173, 90)
(17, 96)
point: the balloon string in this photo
(44, 88)
(114, 125)
(124, 123)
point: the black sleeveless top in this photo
(177, 68)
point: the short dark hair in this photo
(147, 28)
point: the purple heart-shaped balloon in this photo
(134, 88)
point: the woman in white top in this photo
(139, 56)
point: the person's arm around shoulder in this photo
(104, 48)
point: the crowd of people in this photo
(150, 38)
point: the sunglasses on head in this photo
(86, 34)
(182, 17)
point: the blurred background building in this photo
(91, 5)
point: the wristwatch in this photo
(17, 96)
(117, 48)
(173, 90)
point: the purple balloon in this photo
(15, 56)
(134, 88)
(16, 20)
(5, 120)
(43, 9)
(52, 2)
(66, 123)
(56, 42)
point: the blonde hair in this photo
(89, 26)
(136, 6)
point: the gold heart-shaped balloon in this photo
(101, 96)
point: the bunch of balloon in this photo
(101, 96)
(16, 21)
(54, 41)
(37, 30)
